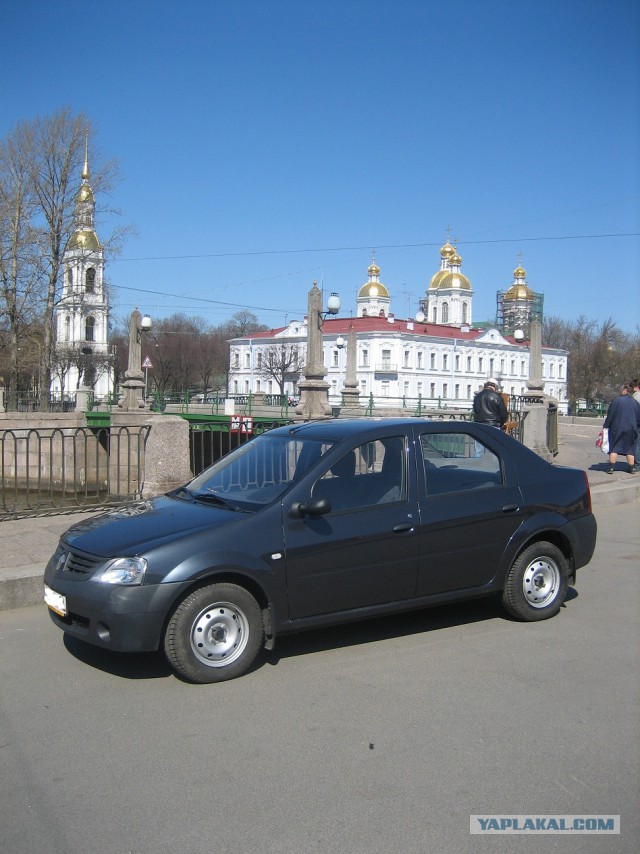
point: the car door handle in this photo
(510, 508)
(403, 528)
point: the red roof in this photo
(383, 326)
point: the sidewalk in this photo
(27, 544)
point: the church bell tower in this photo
(82, 315)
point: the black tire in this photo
(537, 583)
(214, 634)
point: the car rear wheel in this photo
(214, 634)
(537, 583)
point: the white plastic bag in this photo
(602, 441)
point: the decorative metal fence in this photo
(61, 469)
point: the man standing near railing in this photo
(489, 406)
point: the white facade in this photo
(82, 314)
(440, 364)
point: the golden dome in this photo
(374, 270)
(519, 292)
(447, 250)
(455, 259)
(434, 284)
(455, 281)
(373, 290)
(85, 240)
(519, 272)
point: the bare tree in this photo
(19, 268)
(280, 362)
(600, 356)
(40, 172)
(557, 332)
(211, 359)
(242, 323)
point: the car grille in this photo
(78, 564)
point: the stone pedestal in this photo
(160, 461)
(82, 399)
(314, 390)
(132, 399)
(534, 427)
(314, 400)
(166, 459)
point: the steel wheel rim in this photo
(219, 634)
(541, 582)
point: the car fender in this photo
(549, 525)
(263, 576)
(203, 564)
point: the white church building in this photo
(82, 314)
(438, 357)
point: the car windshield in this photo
(260, 471)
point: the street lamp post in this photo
(314, 401)
(134, 384)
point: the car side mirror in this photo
(315, 507)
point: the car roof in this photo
(344, 428)
(341, 429)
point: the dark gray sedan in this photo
(323, 523)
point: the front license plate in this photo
(56, 601)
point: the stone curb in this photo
(606, 494)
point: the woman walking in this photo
(623, 422)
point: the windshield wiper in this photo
(210, 498)
(182, 492)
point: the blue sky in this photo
(268, 143)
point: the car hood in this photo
(143, 525)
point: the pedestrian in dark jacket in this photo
(623, 422)
(489, 406)
(635, 385)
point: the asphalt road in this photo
(380, 737)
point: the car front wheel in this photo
(214, 634)
(537, 583)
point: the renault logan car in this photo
(323, 523)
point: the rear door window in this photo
(458, 462)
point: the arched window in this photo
(89, 329)
(67, 329)
(90, 280)
(69, 276)
(445, 312)
(465, 312)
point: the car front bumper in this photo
(125, 619)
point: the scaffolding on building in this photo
(519, 312)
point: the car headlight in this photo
(123, 570)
